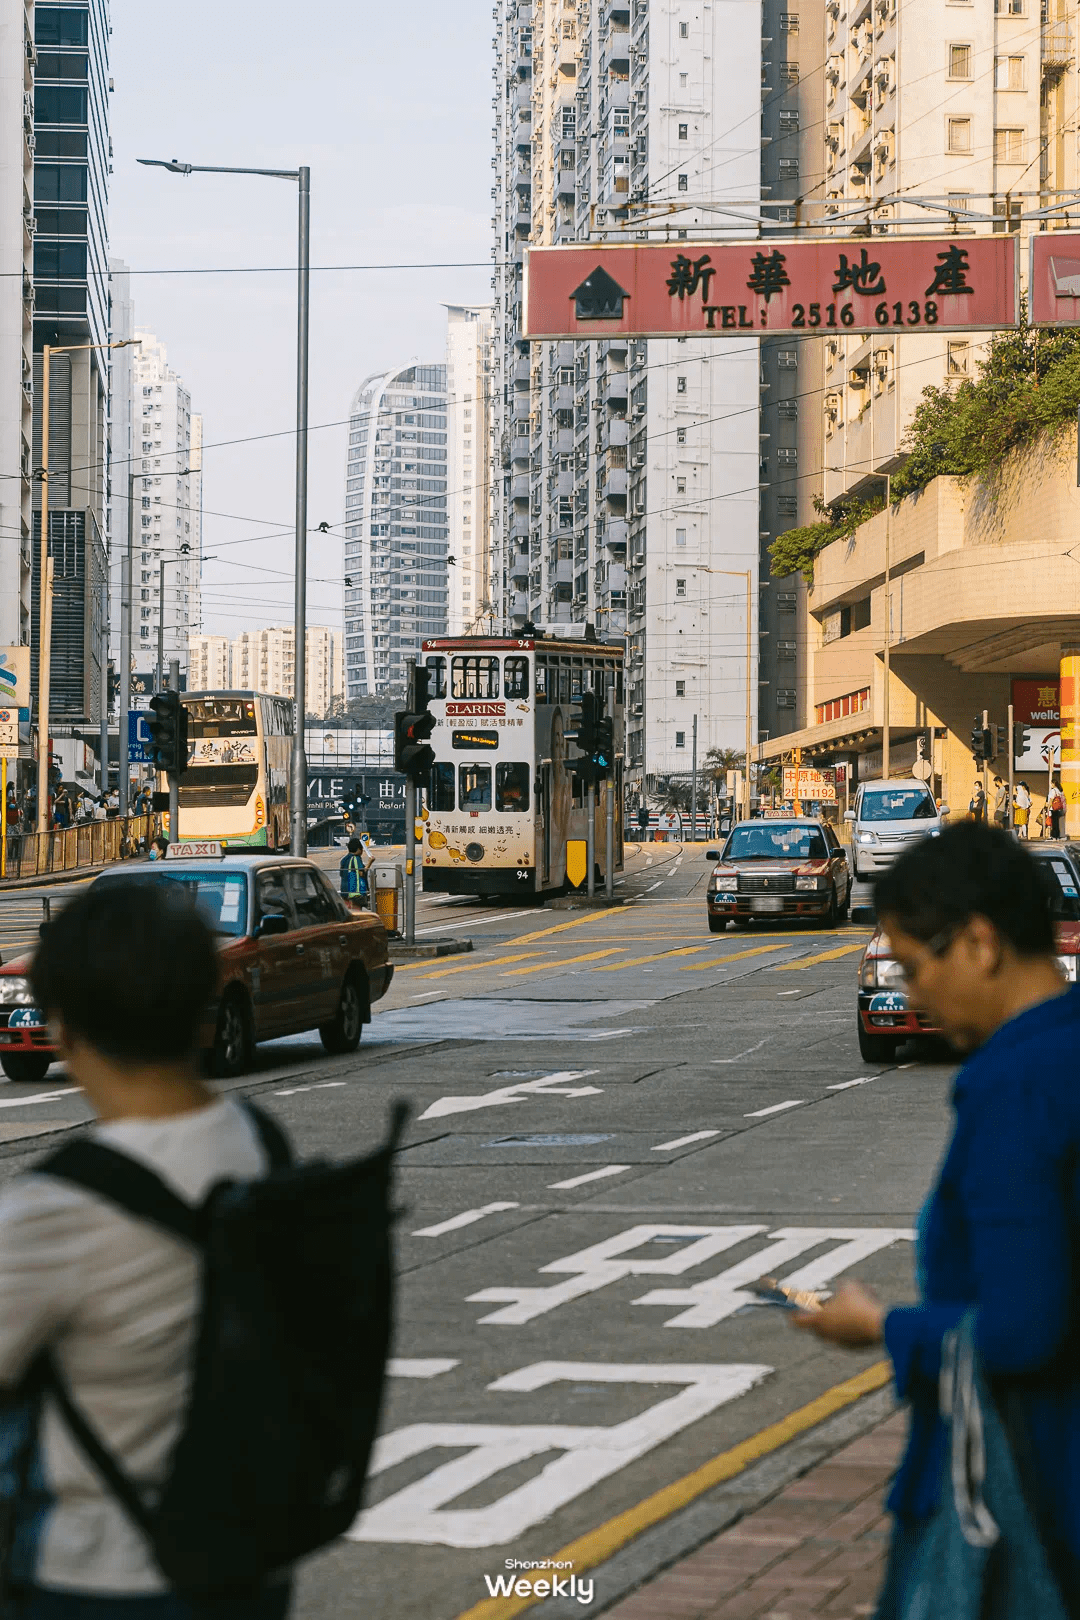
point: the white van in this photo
(888, 815)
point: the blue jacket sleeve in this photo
(1009, 1170)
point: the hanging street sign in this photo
(860, 284)
(1055, 278)
(803, 782)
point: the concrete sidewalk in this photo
(815, 1549)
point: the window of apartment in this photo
(789, 22)
(789, 168)
(958, 359)
(680, 688)
(680, 537)
(1008, 72)
(680, 739)
(684, 79)
(680, 385)
(961, 201)
(785, 601)
(684, 30)
(959, 61)
(1008, 146)
(958, 134)
(680, 435)
(787, 359)
(785, 650)
(684, 182)
(789, 120)
(785, 697)
(680, 587)
(1009, 8)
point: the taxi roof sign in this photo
(203, 849)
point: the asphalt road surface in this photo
(620, 1121)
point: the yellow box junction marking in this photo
(661, 956)
(735, 956)
(822, 956)
(492, 961)
(597, 1546)
(555, 965)
(559, 928)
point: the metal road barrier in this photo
(90, 843)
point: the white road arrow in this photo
(555, 1084)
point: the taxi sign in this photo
(203, 849)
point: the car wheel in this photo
(717, 925)
(231, 1052)
(343, 1033)
(877, 1048)
(29, 1066)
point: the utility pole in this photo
(885, 726)
(45, 595)
(693, 789)
(410, 824)
(174, 776)
(127, 566)
(161, 627)
(609, 804)
(590, 832)
(103, 708)
(986, 764)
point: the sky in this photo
(390, 106)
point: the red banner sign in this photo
(661, 289)
(1055, 278)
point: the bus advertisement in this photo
(236, 785)
(504, 798)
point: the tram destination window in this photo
(474, 740)
(441, 791)
(517, 678)
(475, 677)
(512, 786)
(436, 677)
(474, 786)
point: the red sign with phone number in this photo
(661, 289)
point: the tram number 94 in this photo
(899, 314)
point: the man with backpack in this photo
(169, 1333)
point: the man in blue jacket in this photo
(969, 919)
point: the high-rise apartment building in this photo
(71, 307)
(629, 494)
(265, 661)
(209, 664)
(122, 462)
(468, 494)
(395, 525)
(168, 508)
(17, 57)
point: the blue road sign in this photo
(138, 737)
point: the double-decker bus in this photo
(504, 798)
(236, 785)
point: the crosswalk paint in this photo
(466, 1218)
(659, 956)
(470, 967)
(822, 956)
(557, 966)
(735, 956)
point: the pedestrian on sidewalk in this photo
(1055, 804)
(969, 921)
(977, 803)
(1001, 802)
(1022, 809)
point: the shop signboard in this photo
(1037, 717)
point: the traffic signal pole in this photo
(174, 776)
(590, 848)
(1012, 756)
(410, 861)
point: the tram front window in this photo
(437, 679)
(442, 787)
(473, 677)
(474, 788)
(517, 677)
(512, 786)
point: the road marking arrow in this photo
(554, 1084)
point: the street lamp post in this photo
(298, 784)
(45, 585)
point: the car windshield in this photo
(1064, 886)
(220, 896)
(897, 804)
(776, 842)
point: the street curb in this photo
(398, 951)
(676, 1538)
(73, 876)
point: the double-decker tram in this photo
(504, 798)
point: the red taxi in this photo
(887, 1018)
(773, 869)
(294, 957)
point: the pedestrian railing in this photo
(91, 843)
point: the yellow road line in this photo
(542, 933)
(557, 966)
(736, 956)
(661, 956)
(596, 1546)
(492, 961)
(822, 956)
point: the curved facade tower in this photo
(395, 525)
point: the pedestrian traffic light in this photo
(412, 728)
(168, 726)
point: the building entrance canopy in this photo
(661, 289)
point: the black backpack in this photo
(289, 1361)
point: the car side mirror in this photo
(943, 810)
(273, 923)
(849, 815)
(712, 854)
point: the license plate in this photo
(770, 902)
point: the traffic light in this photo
(982, 741)
(603, 751)
(1019, 739)
(168, 725)
(586, 729)
(999, 738)
(412, 754)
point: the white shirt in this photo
(116, 1300)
